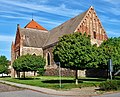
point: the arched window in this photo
(34, 54)
(94, 35)
(48, 59)
(17, 54)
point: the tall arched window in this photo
(94, 35)
(48, 58)
(34, 54)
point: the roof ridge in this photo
(69, 27)
(35, 29)
(70, 19)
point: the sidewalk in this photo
(85, 92)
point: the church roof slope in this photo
(34, 25)
(65, 28)
(33, 37)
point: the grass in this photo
(53, 82)
(117, 77)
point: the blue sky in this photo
(51, 13)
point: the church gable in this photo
(93, 27)
(30, 37)
(87, 22)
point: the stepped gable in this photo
(70, 26)
(34, 25)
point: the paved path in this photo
(30, 93)
(83, 92)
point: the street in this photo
(109, 95)
(30, 93)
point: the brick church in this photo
(36, 40)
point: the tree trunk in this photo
(34, 73)
(18, 74)
(76, 77)
(24, 74)
(2, 74)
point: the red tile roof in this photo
(34, 25)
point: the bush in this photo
(41, 71)
(109, 85)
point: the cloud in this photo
(111, 10)
(115, 10)
(113, 33)
(26, 9)
(26, 17)
(6, 38)
(111, 6)
(35, 2)
(4, 50)
(113, 1)
(57, 10)
(110, 20)
(77, 3)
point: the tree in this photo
(3, 64)
(111, 49)
(73, 51)
(28, 63)
(98, 57)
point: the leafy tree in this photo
(74, 51)
(3, 64)
(111, 49)
(28, 63)
(98, 57)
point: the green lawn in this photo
(53, 82)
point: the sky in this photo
(51, 13)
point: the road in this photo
(30, 93)
(109, 95)
(26, 93)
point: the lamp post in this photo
(59, 73)
(110, 68)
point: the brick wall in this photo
(55, 72)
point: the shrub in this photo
(109, 85)
(41, 71)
